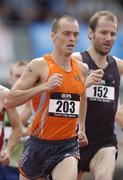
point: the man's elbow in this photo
(9, 101)
(7, 104)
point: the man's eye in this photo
(76, 34)
(104, 32)
(67, 33)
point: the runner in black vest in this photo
(100, 153)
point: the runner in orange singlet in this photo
(55, 82)
(62, 104)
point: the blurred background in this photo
(25, 27)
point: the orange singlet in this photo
(56, 112)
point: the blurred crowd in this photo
(25, 27)
(43, 10)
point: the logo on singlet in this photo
(77, 78)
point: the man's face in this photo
(66, 37)
(104, 36)
(16, 73)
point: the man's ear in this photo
(90, 33)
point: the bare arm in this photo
(17, 128)
(14, 137)
(119, 115)
(119, 65)
(12, 113)
(77, 56)
(25, 88)
(16, 125)
(18, 119)
(82, 116)
(26, 113)
(83, 108)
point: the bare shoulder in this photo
(77, 55)
(40, 68)
(83, 68)
(37, 63)
(37, 66)
(118, 60)
(119, 63)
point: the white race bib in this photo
(101, 93)
(64, 105)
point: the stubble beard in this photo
(101, 52)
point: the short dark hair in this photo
(56, 21)
(95, 18)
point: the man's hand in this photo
(4, 156)
(26, 131)
(82, 139)
(94, 78)
(54, 81)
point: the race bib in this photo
(101, 93)
(64, 105)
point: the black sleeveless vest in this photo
(102, 100)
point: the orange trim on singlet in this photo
(51, 127)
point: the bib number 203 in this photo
(65, 106)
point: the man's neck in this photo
(62, 61)
(99, 60)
